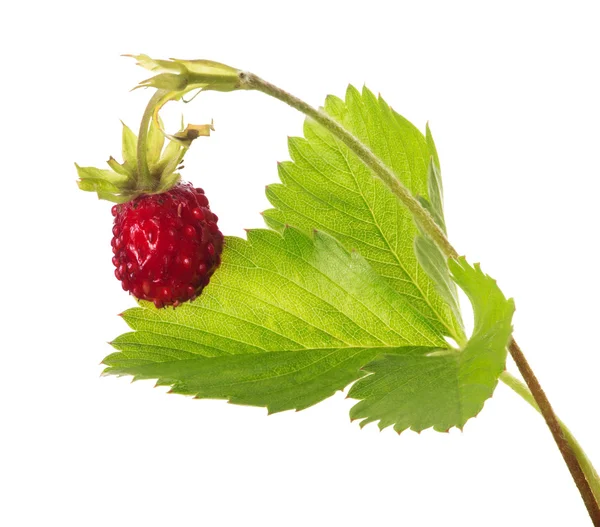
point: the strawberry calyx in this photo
(122, 182)
(148, 166)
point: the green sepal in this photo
(167, 181)
(93, 173)
(165, 81)
(155, 143)
(129, 149)
(116, 198)
(118, 167)
(93, 179)
(176, 75)
(99, 185)
(119, 184)
(108, 184)
(175, 78)
(171, 158)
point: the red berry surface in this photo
(166, 246)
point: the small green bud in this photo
(181, 76)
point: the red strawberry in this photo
(166, 246)
(166, 242)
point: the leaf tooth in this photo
(352, 95)
(368, 96)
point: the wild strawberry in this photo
(166, 246)
(166, 242)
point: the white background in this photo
(511, 93)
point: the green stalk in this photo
(574, 458)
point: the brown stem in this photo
(554, 425)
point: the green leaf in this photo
(294, 314)
(441, 389)
(435, 264)
(329, 188)
(286, 321)
(432, 150)
(277, 380)
(435, 203)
